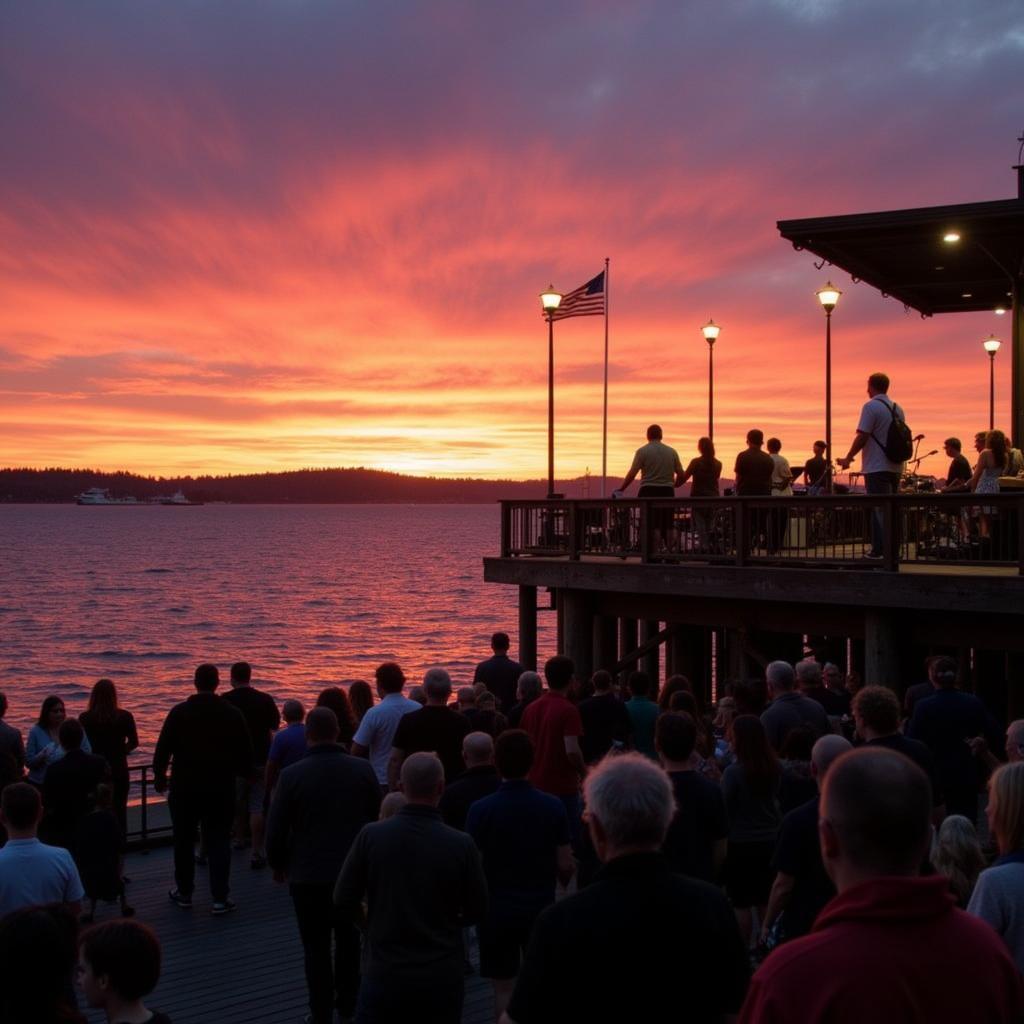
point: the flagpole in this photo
(604, 432)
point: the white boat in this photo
(177, 498)
(101, 496)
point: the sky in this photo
(247, 236)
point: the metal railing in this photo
(148, 818)
(911, 529)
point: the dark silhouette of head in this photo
(601, 681)
(755, 438)
(103, 700)
(50, 705)
(706, 447)
(241, 673)
(513, 754)
(675, 736)
(878, 383)
(954, 444)
(71, 734)
(558, 671)
(207, 678)
(942, 672)
(335, 698)
(654, 432)
(500, 643)
(639, 684)
(21, 805)
(127, 953)
(774, 445)
(321, 726)
(3, 704)
(360, 696)
(390, 678)
(819, 448)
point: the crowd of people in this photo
(767, 854)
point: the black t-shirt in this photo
(438, 729)
(814, 471)
(110, 738)
(754, 469)
(605, 720)
(918, 753)
(500, 674)
(693, 957)
(705, 474)
(699, 823)
(798, 854)
(262, 718)
(959, 469)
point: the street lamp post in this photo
(550, 300)
(828, 297)
(711, 331)
(991, 344)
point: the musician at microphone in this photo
(959, 476)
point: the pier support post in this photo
(881, 664)
(650, 662)
(579, 631)
(605, 642)
(690, 651)
(627, 642)
(528, 628)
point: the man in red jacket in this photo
(864, 959)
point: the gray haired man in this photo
(789, 708)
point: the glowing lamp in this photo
(550, 300)
(711, 331)
(991, 344)
(828, 296)
(951, 237)
(1000, 311)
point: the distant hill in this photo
(304, 486)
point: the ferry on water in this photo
(102, 496)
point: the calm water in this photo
(311, 595)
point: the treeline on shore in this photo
(304, 486)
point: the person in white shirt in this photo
(30, 871)
(881, 475)
(782, 487)
(373, 738)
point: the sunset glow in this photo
(241, 236)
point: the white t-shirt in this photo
(32, 872)
(781, 473)
(377, 730)
(875, 417)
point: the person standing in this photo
(499, 673)
(523, 838)
(643, 713)
(528, 689)
(659, 466)
(553, 724)
(816, 471)
(683, 930)
(480, 779)
(881, 474)
(288, 745)
(112, 733)
(43, 747)
(262, 719)
(376, 733)
(206, 742)
(605, 720)
(435, 727)
(704, 472)
(782, 487)
(12, 748)
(753, 470)
(789, 708)
(891, 946)
(32, 872)
(423, 882)
(320, 804)
(70, 782)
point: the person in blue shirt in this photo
(287, 746)
(643, 714)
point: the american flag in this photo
(587, 300)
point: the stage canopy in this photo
(936, 259)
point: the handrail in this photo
(796, 531)
(146, 832)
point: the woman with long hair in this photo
(674, 684)
(992, 464)
(704, 472)
(112, 733)
(360, 696)
(999, 893)
(43, 745)
(751, 789)
(335, 698)
(956, 853)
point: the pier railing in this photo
(836, 530)
(149, 820)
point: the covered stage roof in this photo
(902, 252)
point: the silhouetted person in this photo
(480, 779)
(376, 733)
(204, 740)
(528, 689)
(262, 719)
(811, 684)
(360, 696)
(789, 708)
(119, 965)
(112, 733)
(958, 476)
(12, 747)
(523, 837)
(881, 474)
(891, 946)
(659, 466)
(69, 786)
(692, 955)
(98, 845)
(606, 722)
(500, 673)
(753, 472)
(435, 727)
(643, 713)
(423, 882)
(320, 804)
(816, 471)
(288, 745)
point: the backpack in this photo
(899, 441)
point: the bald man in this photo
(423, 882)
(892, 946)
(480, 779)
(1014, 746)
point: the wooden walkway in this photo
(244, 967)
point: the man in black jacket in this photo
(423, 882)
(206, 742)
(320, 804)
(68, 787)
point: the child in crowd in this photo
(99, 855)
(118, 965)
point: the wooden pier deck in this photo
(244, 968)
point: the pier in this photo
(714, 589)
